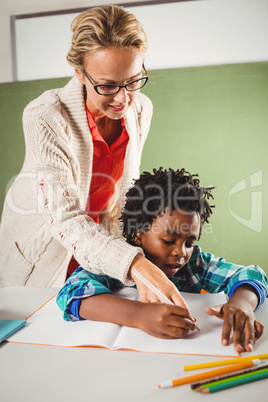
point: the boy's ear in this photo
(137, 239)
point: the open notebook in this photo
(47, 327)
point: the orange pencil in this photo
(209, 374)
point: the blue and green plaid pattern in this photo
(203, 271)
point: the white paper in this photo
(47, 327)
(205, 342)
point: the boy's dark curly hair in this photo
(153, 192)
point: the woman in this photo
(83, 149)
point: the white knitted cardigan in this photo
(44, 221)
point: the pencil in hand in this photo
(156, 291)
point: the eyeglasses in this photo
(112, 89)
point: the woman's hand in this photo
(238, 315)
(164, 321)
(158, 279)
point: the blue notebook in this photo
(8, 327)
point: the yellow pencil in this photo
(209, 374)
(224, 362)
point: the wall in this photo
(189, 33)
(18, 7)
(213, 121)
(173, 29)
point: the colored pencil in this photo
(231, 378)
(154, 290)
(235, 383)
(209, 374)
(226, 376)
(224, 362)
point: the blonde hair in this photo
(103, 27)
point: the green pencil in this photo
(238, 374)
(230, 378)
(234, 383)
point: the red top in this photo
(108, 165)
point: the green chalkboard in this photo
(214, 121)
(210, 120)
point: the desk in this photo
(32, 373)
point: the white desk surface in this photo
(32, 373)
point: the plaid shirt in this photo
(203, 271)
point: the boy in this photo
(164, 214)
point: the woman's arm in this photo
(158, 279)
(60, 172)
(157, 319)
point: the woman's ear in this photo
(79, 75)
(137, 239)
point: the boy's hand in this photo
(238, 315)
(164, 321)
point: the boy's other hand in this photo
(238, 315)
(158, 279)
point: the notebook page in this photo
(205, 342)
(47, 327)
